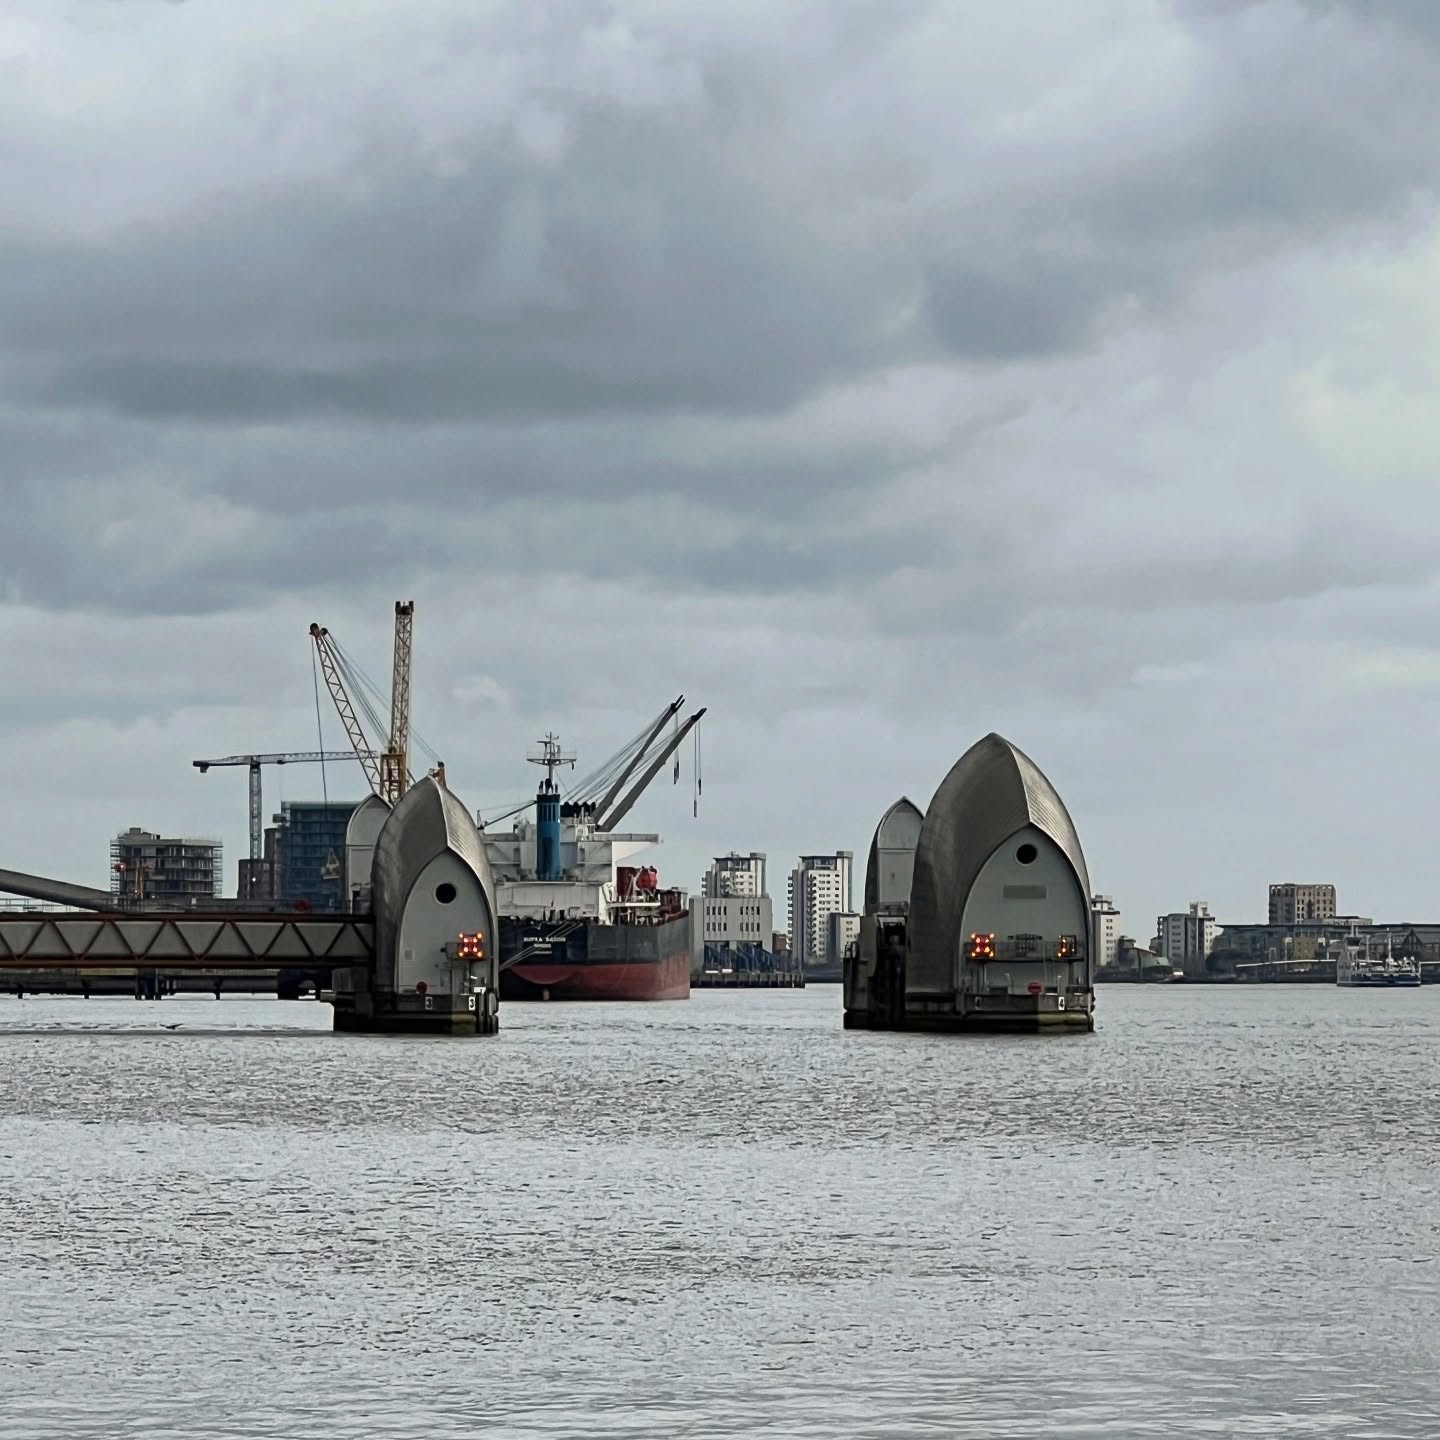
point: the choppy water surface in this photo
(1217, 1216)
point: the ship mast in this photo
(547, 808)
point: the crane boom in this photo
(610, 821)
(289, 757)
(254, 762)
(609, 797)
(330, 668)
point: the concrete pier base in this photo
(368, 1012)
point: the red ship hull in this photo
(560, 960)
(665, 979)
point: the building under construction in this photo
(184, 872)
(303, 855)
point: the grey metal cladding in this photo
(428, 821)
(993, 790)
(872, 865)
(361, 814)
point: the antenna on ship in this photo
(552, 758)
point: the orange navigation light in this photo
(981, 947)
(1068, 949)
(471, 947)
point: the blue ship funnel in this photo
(547, 836)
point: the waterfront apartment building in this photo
(1292, 904)
(819, 888)
(735, 874)
(1186, 938)
(1104, 931)
(186, 872)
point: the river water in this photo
(1216, 1216)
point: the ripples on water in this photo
(1217, 1216)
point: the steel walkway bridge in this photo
(422, 960)
(219, 942)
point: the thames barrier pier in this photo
(416, 953)
(435, 968)
(977, 910)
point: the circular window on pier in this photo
(1027, 854)
(445, 892)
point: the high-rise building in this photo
(1187, 938)
(185, 872)
(735, 874)
(310, 852)
(1104, 931)
(819, 887)
(1292, 904)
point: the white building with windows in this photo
(819, 888)
(731, 920)
(1104, 932)
(1186, 938)
(732, 910)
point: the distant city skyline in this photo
(232, 838)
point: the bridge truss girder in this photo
(67, 941)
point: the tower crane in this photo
(254, 762)
(387, 769)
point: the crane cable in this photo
(374, 703)
(319, 724)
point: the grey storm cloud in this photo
(880, 374)
(652, 264)
(645, 272)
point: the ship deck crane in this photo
(254, 762)
(607, 819)
(598, 794)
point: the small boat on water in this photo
(1356, 967)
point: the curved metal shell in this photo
(367, 820)
(901, 821)
(362, 832)
(993, 790)
(428, 821)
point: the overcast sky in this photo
(878, 374)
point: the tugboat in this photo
(575, 922)
(1355, 967)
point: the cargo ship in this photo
(576, 922)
